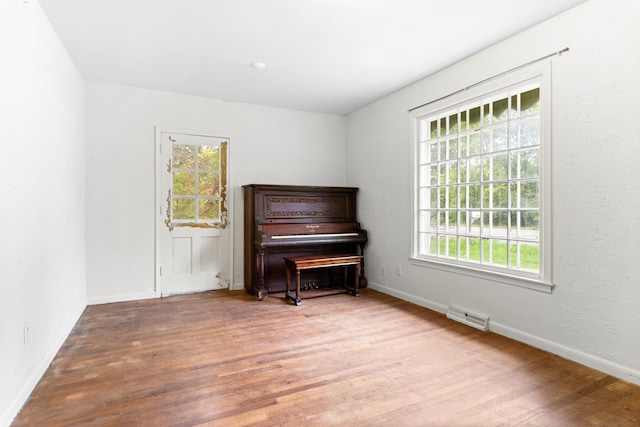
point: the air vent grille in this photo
(474, 320)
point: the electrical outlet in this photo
(383, 271)
(25, 335)
(399, 270)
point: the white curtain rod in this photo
(542, 58)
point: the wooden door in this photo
(194, 253)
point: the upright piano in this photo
(287, 221)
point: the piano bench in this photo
(308, 262)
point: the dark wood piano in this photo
(287, 221)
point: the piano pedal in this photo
(308, 286)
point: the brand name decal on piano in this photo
(312, 228)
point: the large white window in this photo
(482, 180)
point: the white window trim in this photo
(543, 281)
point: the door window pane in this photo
(209, 184)
(184, 208)
(184, 183)
(184, 156)
(208, 158)
(209, 209)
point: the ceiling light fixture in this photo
(259, 65)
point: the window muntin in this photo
(479, 183)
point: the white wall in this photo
(268, 145)
(593, 315)
(42, 214)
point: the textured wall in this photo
(592, 315)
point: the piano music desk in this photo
(307, 262)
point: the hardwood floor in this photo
(224, 359)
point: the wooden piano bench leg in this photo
(296, 300)
(355, 290)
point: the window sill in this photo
(536, 285)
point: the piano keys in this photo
(288, 221)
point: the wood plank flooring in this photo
(223, 359)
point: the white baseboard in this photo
(440, 308)
(121, 297)
(619, 371)
(141, 295)
(602, 365)
(27, 388)
(236, 286)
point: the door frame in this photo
(160, 215)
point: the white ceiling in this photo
(330, 56)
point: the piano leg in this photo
(259, 291)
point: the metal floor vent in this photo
(474, 320)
